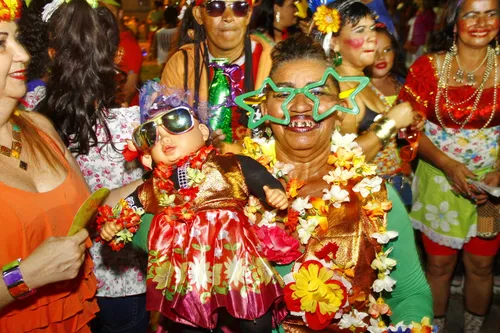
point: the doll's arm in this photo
(261, 183)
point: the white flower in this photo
(306, 228)
(339, 176)
(195, 232)
(281, 169)
(301, 204)
(385, 237)
(367, 186)
(384, 282)
(50, 8)
(336, 195)
(443, 183)
(179, 239)
(222, 234)
(376, 326)
(382, 262)
(183, 11)
(268, 218)
(218, 252)
(234, 270)
(441, 218)
(344, 141)
(199, 272)
(353, 319)
(416, 206)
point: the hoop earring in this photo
(278, 17)
(454, 48)
(337, 59)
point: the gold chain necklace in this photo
(443, 87)
(471, 78)
(16, 147)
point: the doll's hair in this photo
(155, 98)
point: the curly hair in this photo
(351, 12)
(297, 47)
(33, 34)
(82, 85)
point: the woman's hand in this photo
(217, 137)
(56, 259)
(418, 122)
(402, 114)
(457, 173)
(492, 179)
(109, 231)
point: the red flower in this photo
(129, 155)
(201, 157)
(292, 220)
(189, 194)
(327, 252)
(163, 173)
(116, 246)
(277, 245)
(184, 213)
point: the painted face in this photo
(225, 32)
(13, 58)
(170, 148)
(478, 22)
(303, 133)
(357, 43)
(287, 13)
(384, 56)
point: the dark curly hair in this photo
(351, 12)
(82, 85)
(297, 47)
(34, 36)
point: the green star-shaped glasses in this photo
(257, 96)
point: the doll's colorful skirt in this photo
(212, 262)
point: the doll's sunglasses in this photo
(409, 152)
(218, 7)
(175, 121)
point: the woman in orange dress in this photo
(48, 284)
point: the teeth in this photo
(301, 123)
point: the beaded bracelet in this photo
(384, 128)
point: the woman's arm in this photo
(56, 259)
(411, 299)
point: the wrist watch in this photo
(14, 281)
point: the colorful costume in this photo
(446, 218)
(207, 257)
(181, 67)
(66, 306)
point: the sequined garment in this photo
(351, 230)
(213, 261)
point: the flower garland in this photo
(177, 203)
(320, 290)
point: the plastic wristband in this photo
(14, 281)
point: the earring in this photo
(497, 47)
(337, 59)
(278, 17)
(454, 48)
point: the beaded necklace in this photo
(443, 90)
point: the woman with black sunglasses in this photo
(220, 31)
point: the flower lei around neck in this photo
(333, 296)
(177, 203)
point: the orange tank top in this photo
(27, 220)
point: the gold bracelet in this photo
(384, 129)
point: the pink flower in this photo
(277, 245)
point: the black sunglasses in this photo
(175, 121)
(218, 7)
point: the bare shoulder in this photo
(44, 124)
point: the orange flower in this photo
(342, 158)
(376, 210)
(357, 295)
(320, 206)
(292, 219)
(293, 186)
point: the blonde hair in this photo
(35, 143)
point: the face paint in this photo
(355, 43)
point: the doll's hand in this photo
(276, 197)
(109, 230)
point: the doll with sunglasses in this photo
(204, 267)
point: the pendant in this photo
(459, 76)
(471, 79)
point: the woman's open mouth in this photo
(301, 124)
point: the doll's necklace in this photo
(16, 147)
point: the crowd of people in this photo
(299, 166)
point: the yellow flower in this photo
(327, 19)
(9, 10)
(316, 289)
(163, 274)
